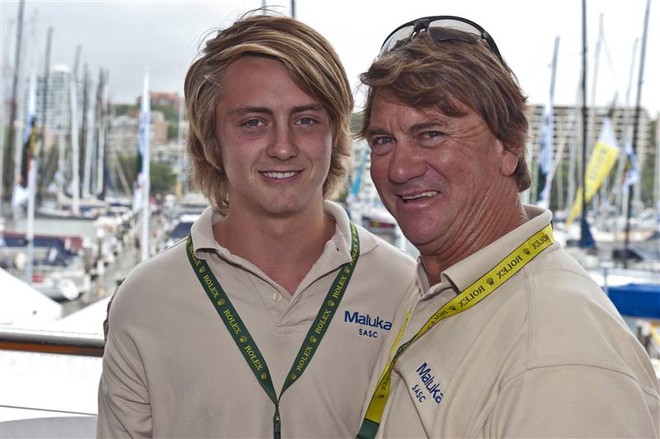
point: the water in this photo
(59, 226)
(112, 262)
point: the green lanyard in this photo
(475, 293)
(246, 343)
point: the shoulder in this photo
(570, 316)
(161, 265)
(372, 246)
(150, 281)
(383, 271)
(557, 271)
(378, 249)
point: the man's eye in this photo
(305, 121)
(380, 141)
(253, 123)
(381, 145)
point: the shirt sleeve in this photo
(124, 408)
(575, 401)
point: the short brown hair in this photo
(424, 73)
(314, 67)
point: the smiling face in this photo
(443, 178)
(276, 140)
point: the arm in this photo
(575, 400)
(124, 408)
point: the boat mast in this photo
(546, 142)
(591, 140)
(583, 89)
(32, 166)
(101, 125)
(145, 139)
(44, 103)
(87, 130)
(75, 146)
(636, 127)
(8, 150)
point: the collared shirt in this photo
(171, 369)
(544, 355)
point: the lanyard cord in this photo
(466, 299)
(246, 343)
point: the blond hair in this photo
(314, 67)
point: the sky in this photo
(129, 38)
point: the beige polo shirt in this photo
(171, 369)
(545, 355)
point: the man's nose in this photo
(282, 144)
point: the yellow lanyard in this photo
(466, 299)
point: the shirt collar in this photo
(340, 243)
(465, 272)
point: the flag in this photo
(21, 191)
(544, 178)
(631, 168)
(600, 164)
(357, 177)
(144, 175)
(29, 146)
(141, 184)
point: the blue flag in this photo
(21, 192)
(545, 158)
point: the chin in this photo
(418, 234)
(284, 207)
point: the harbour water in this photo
(107, 258)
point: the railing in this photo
(50, 383)
(13, 339)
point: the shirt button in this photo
(277, 297)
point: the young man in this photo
(506, 336)
(268, 320)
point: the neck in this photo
(283, 248)
(480, 233)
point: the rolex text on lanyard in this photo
(246, 343)
(498, 275)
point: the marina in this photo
(73, 259)
(92, 188)
(59, 301)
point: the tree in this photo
(162, 177)
(356, 122)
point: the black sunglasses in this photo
(444, 27)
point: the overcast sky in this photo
(130, 37)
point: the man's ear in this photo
(509, 157)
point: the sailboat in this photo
(61, 260)
(70, 204)
(629, 275)
(365, 207)
(363, 203)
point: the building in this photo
(164, 99)
(567, 127)
(56, 94)
(123, 135)
(568, 138)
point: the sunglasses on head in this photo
(444, 28)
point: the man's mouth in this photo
(428, 194)
(279, 175)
